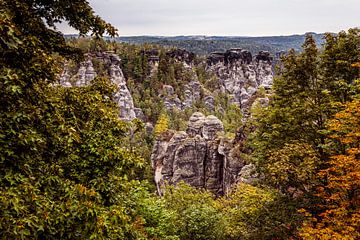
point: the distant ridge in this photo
(201, 44)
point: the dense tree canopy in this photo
(52, 137)
(306, 142)
(69, 169)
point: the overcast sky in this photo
(227, 17)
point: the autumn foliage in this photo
(340, 213)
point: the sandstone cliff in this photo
(199, 156)
(86, 74)
(240, 75)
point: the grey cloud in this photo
(227, 17)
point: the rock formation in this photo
(86, 74)
(198, 156)
(153, 59)
(122, 96)
(240, 76)
(181, 55)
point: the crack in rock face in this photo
(199, 157)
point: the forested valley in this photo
(101, 139)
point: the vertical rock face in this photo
(182, 56)
(239, 75)
(122, 96)
(192, 89)
(86, 74)
(197, 156)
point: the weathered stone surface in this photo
(195, 124)
(248, 174)
(139, 114)
(122, 96)
(209, 102)
(215, 57)
(237, 54)
(189, 162)
(192, 93)
(168, 170)
(181, 55)
(230, 56)
(211, 127)
(263, 56)
(64, 78)
(214, 168)
(239, 76)
(232, 164)
(197, 157)
(86, 74)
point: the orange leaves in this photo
(340, 213)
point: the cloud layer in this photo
(226, 17)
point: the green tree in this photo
(232, 118)
(338, 213)
(196, 215)
(302, 101)
(253, 212)
(64, 172)
(295, 114)
(290, 142)
(340, 52)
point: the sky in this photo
(226, 17)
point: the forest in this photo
(205, 44)
(88, 124)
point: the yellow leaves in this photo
(162, 124)
(292, 165)
(85, 191)
(100, 222)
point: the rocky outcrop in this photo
(181, 55)
(122, 96)
(197, 156)
(264, 56)
(153, 57)
(240, 76)
(86, 74)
